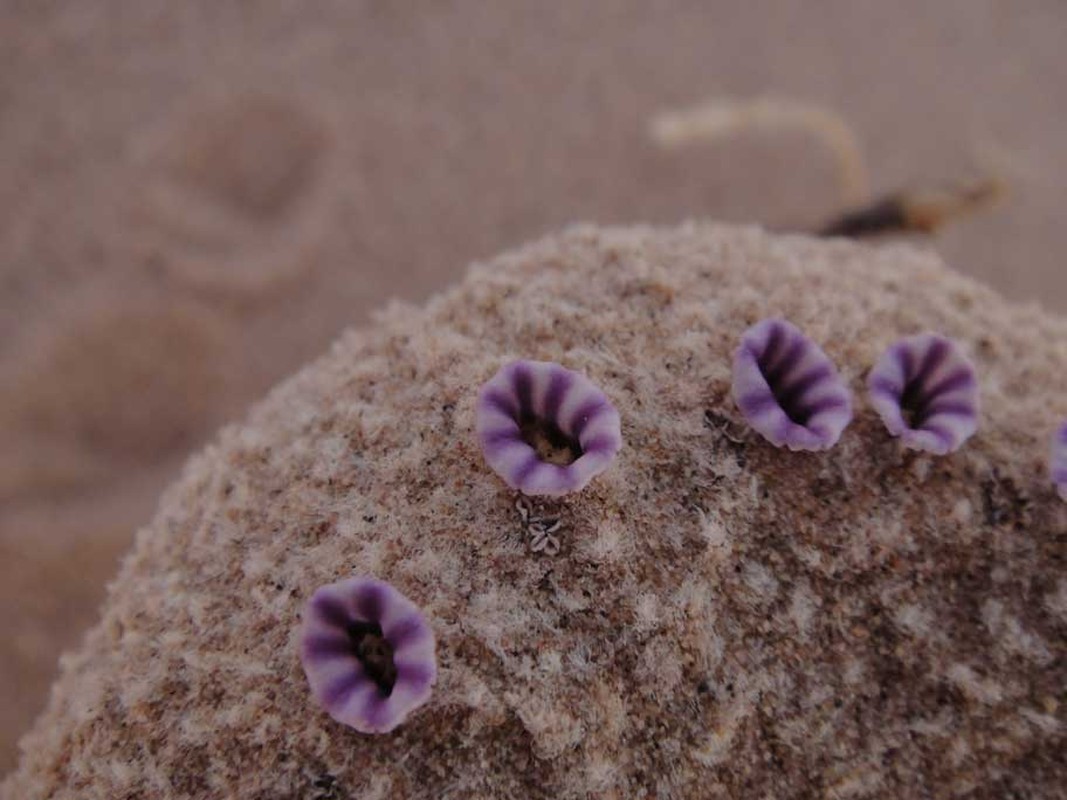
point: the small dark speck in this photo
(327, 788)
(703, 688)
(370, 518)
(545, 584)
(1003, 502)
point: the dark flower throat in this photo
(374, 653)
(549, 442)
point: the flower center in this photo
(550, 443)
(374, 653)
(913, 404)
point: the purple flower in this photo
(1058, 463)
(788, 389)
(925, 391)
(544, 429)
(368, 654)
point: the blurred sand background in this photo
(198, 196)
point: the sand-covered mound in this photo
(199, 196)
(723, 618)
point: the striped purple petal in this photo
(788, 389)
(544, 429)
(368, 654)
(1058, 463)
(926, 392)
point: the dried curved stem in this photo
(717, 119)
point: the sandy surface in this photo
(198, 197)
(723, 618)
